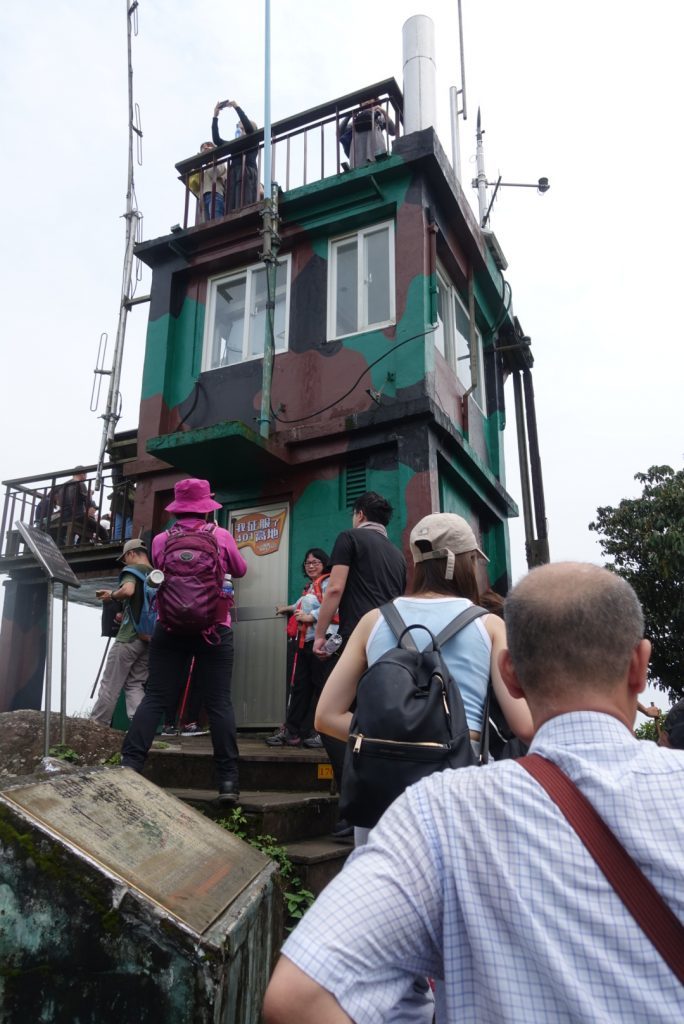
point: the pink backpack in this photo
(190, 597)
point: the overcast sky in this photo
(587, 94)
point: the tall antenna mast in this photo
(132, 216)
(453, 98)
(481, 180)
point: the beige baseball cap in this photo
(448, 535)
(136, 544)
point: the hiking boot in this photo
(193, 729)
(283, 738)
(343, 832)
(228, 792)
(313, 741)
(169, 729)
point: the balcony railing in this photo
(66, 505)
(305, 148)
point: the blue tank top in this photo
(467, 654)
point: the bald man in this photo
(474, 877)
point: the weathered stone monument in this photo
(120, 903)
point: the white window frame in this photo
(452, 336)
(361, 283)
(212, 287)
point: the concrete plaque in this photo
(153, 842)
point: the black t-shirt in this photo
(377, 573)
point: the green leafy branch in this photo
(296, 898)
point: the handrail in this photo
(230, 188)
(35, 501)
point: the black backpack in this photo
(407, 724)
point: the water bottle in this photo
(155, 578)
(227, 589)
(332, 643)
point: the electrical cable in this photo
(199, 386)
(340, 398)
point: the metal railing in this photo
(307, 147)
(66, 505)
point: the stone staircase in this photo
(285, 792)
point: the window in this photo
(361, 281)
(452, 338)
(236, 315)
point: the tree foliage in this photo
(644, 540)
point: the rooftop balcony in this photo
(306, 148)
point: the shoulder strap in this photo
(397, 625)
(139, 573)
(638, 894)
(459, 623)
(317, 585)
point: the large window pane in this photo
(438, 336)
(346, 288)
(378, 276)
(238, 309)
(229, 323)
(281, 307)
(462, 344)
(258, 307)
(257, 312)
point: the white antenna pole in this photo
(267, 101)
(481, 181)
(453, 98)
(455, 136)
(112, 413)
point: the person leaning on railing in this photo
(243, 181)
(362, 134)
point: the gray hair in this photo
(572, 621)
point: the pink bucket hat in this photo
(192, 496)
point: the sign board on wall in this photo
(261, 532)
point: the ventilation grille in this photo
(356, 482)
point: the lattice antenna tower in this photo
(133, 220)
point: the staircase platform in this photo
(301, 822)
(288, 816)
(187, 763)
(285, 792)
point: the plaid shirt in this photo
(475, 877)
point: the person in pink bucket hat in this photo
(174, 644)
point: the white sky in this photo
(587, 94)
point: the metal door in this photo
(262, 535)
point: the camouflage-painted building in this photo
(389, 315)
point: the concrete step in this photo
(287, 816)
(301, 822)
(317, 861)
(187, 762)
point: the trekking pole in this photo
(185, 695)
(301, 633)
(99, 671)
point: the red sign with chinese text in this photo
(260, 531)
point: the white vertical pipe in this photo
(455, 135)
(481, 176)
(48, 664)
(420, 73)
(63, 688)
(267, 101)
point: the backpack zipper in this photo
(359, 737)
